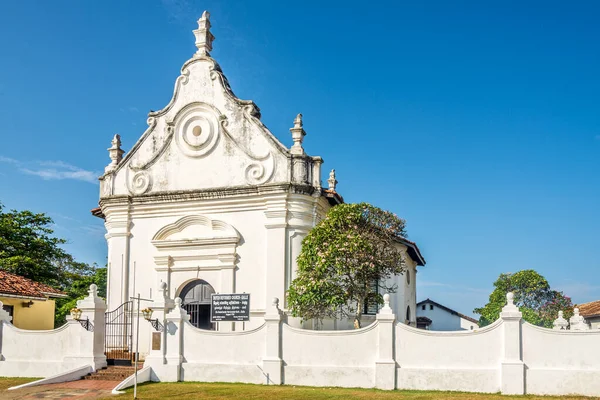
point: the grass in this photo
(5, 383)
(232, 391)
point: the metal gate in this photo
(118, 336)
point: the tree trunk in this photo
(359, 312)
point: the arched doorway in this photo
(195, 298)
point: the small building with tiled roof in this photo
(591, 312)
(442, 318)
(30, 304)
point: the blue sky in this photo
(477, 122)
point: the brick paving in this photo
(75, 390)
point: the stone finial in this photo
(577, 322)
(115, 153)
(178, 302)
(4, 314)
(560, 324)
(510, 310)
(163, 289)
(204, 38)
(93, 292)
(386, 309)
(298, 134)
(332, 181)
(510, 298)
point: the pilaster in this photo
(385, 366)
(512, 367)
(276, 247)
(118, 227)
(272, 363)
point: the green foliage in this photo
(77, 291)
(538, 303)
(342, 257)
(28, 248)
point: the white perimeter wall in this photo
(329, 358)
(561, 362)
(508, 356)
(463, 360)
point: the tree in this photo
(77, 291)
(344, 260)
(29, 248)
(533, 295)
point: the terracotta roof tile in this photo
(16, 285)
(590, 309)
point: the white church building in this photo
(208, 200)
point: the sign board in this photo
(155, 340)
(230, 307)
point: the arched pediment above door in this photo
(193, 227)
(196, 242)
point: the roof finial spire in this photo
(204, 38)
(297, 135)
(332, 181)
(115, 153)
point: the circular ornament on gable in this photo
(197, 130)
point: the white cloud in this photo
(8, 160)
(53, 170)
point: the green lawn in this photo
(5, 383)
(232, 391)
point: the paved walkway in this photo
(82, 389)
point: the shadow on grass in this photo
(233, 391)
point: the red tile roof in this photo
(16, 285)
(591, 309)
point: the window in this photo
(471, 327)
(196, 300)
(407, 277)
(423, 307)
(371, 306)
(408, 315)
(9, 309)
(431, 306)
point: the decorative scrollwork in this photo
(185, 76)
(258, 173)
(141, 182)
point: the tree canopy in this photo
(29, 248)
(346, 261)
(538, 303)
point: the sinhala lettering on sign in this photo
(230, 307)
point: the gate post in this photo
(512, 367)
(91, 332)
(272, 363)
(173, 330)
(385, 365)
(158, 357)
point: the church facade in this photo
(209, 201)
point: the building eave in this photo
(451, 311)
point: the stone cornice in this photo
(217, 193)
